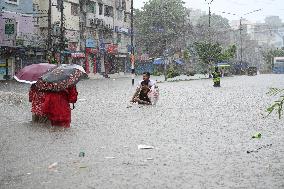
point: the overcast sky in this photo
(239, 7)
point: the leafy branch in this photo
(277, 105)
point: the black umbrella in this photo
(61, 78)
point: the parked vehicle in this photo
(278, 67)
(252, 71)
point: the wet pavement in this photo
(200, 136)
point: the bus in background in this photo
(278, 67)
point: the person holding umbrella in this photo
(60, 87)
(30, 74)
(56, 106)
(37, 98)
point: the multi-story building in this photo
(17, 39)
(71, 29)
(105, 34)
(267, 35)
(97, 32)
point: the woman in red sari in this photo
(37, 98)
(56, 106)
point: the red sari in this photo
(37, 98)
(56, 106)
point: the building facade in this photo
(97, 32)
(17, 38)
(105, 34)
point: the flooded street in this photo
(200, 136)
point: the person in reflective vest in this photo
(216, 77)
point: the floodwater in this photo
(200, 136)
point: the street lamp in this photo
(241, 28)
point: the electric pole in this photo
(132, 58)
(241, 28)
(62, 32)
(209, 19)
(49, 42)
(241, 41)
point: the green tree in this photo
(218, 31)
(211, 53)
(159, 24)
(229, 53)
(217, 22)
(269, 55)
(208, 53)
(186, 55)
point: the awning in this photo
(158, 61)
(179, 61)
(222, 64)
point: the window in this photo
(92, 7)
(59, 4)
(118, 38)
(119, 15)
(125, 17)
(74, 9)
(100, 9)
(123, 5)
(108, 11)
(17, 29)
(16, 2)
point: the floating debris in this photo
(52, 165)
(145, 147)
(82, 99)
(256, 150)
(257, 135)
(82, 154)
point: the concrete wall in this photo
(23, 6)
(22, 13)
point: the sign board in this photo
(102, 47)
(90, 43)
(78, 55)
(2, 71)
(2, 63)
(121, 30)
(112, 48)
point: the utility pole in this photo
(241, 41)
(62, 32)
(241, 28)
(132, 58)
(165, 57)
(49, 42)
(209, 19)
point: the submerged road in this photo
(200, 136)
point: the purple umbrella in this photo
(30, 74)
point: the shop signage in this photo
(90, 43)
(121, 30)
(78, 55)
